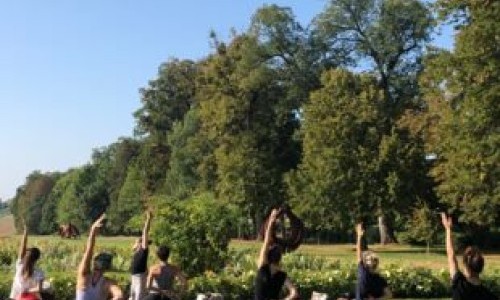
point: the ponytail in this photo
(29, 260)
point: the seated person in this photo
(270, 278)
(466, 285)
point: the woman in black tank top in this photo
(466, 285)
(270, 278)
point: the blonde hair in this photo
(370, 259)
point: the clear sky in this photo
(70, 70)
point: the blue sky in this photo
(70, 70)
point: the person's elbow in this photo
(293, 293)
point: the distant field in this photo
(7, 226)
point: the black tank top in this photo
(139, 261)
(268, 286)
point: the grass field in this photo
(7, 226)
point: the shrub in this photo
(196, 230)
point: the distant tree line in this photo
(352, 117)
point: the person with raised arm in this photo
(91, 284)
(139, 264)
(161, 278)
(370, 285)
(466, 285)
(28, 280)
(270, 279)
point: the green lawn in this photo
(403, 255)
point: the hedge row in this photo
(405, 283)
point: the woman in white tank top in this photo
(28, 279)
(92, 284)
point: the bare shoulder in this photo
(155, 269)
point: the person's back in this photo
(270, 279)
(164, 280)
(93, 291)
(28, 280)
(161, 277)
(467, 285)
(463, 289)
(268, 285)
(91, 284)
(370, 283)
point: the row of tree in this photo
(352, 117)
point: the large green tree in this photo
(468, 156)
(351, 169)
(238, 94)
(30, 199)
(383, 36)
(84, 195)
(164, 101)
(189, 150)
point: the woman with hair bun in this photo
(466, 285)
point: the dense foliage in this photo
(197, 231)
(335, 118)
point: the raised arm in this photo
(267, 238)
(450, 252)
(24, 241)
(84, 267)
(359, 240)
(145, 230)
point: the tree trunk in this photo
(386, 237)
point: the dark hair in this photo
(104, 261)
(29, 260)
(274, 254)
(163, 253)
(473, 260)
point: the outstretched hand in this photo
(447, 221)
(274, 215)
(99, 222)
(360, 231)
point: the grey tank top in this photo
(165, 280)
(92, 291)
